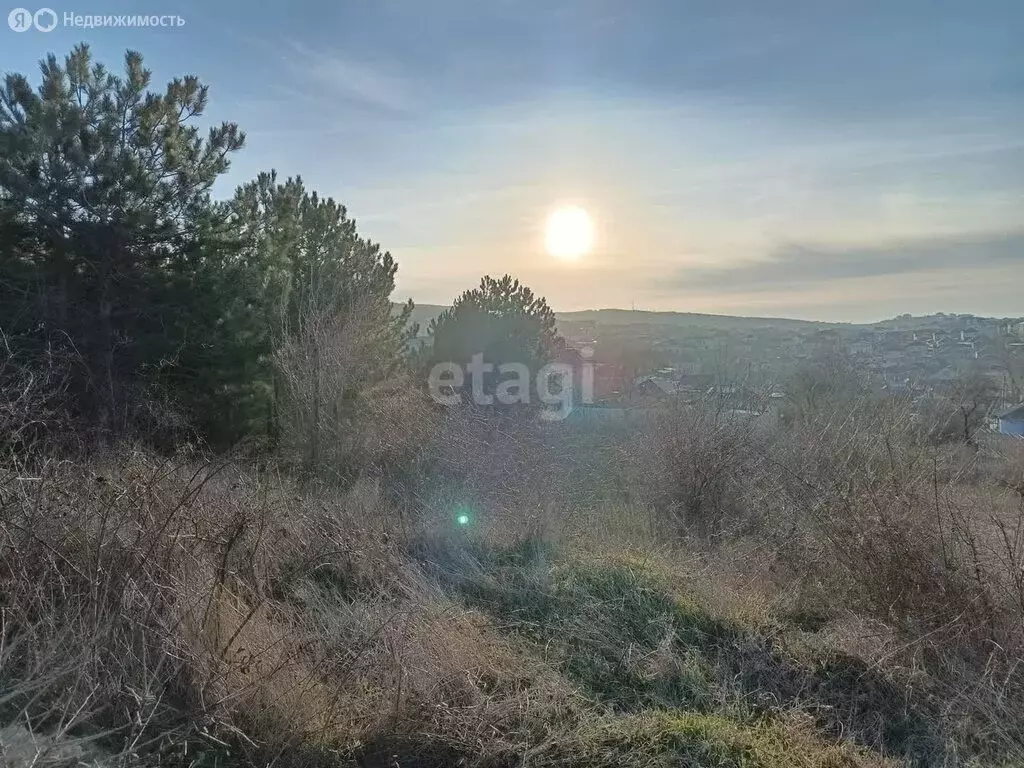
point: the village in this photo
(748, 367)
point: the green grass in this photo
(694, 740)
(630, 645)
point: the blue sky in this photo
(802, 158)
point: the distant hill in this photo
(424, 313)
(622, 317)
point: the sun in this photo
(569, 233)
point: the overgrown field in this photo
(708, 610)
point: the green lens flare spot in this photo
(462, 519)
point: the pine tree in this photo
(104, 191)
(309, 273)
(503, 321)
(116, 261)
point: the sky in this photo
(817, 159)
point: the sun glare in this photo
(569, 233)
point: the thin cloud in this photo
(804, 266)
(350, 80)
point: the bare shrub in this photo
(343, 410)
(913, 528)
(914, 537)
(35, 412)
(960, 412)
(695, 465)
(847, 509)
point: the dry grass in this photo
(182, 608)
(830, 597)
(848, 520)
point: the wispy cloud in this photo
(351, 80)
(807, 266)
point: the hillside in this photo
(625, 317)
(424, 313)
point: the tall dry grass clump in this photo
(849, 515)
(165, 610)
(702, 467)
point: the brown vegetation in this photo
(837, 594)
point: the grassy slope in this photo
(662, 679)
(236, 621)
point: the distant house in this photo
(654, 386)
(1011, 422)
(695, 383)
